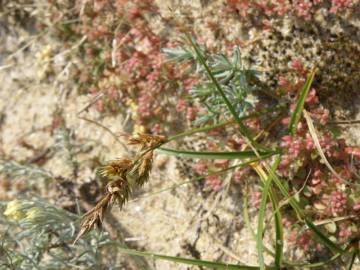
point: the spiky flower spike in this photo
(116, 169)
(147, 141)
(116, 191)
(119, 172)
(143, 163)
(141, 170)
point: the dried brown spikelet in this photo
(116, 168)
(115, 191)
(94, 217)
(147, 141)
(145, 164)
(141, 170)
(121, 171)
(119, 190)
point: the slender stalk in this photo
(223, 123)
(353, 257)
(203, 263)
(219, 172)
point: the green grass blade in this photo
(259, 236)
(314, 265)
(203, 263)
(325, 240)
(353, 257)
(223, 123)
(201, 129)
(293, 203)
(267, 180)
(285, 262)
(203, 177)
(279, 231)
(215, 155)
(295, 118)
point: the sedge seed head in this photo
(116, 169)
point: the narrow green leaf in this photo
(223, 123)
(209, 264)
(322, 237)
(353, 257)
(201, 129)
(327, 242)
(279, 231)
(285, 262)
(177, 54)
(267, 180)
(259, 236)
(295, 118)
(278, 226)
(314, 265)
(203, 177)
(215, 155)
(286, 194)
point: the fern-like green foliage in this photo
(236, 79)
(16, 170)
(38, 235)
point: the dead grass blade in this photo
(315, 138)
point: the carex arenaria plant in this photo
(124, 175)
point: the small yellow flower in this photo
(138, 129)
(133, 108)
(46, 52)
(33, 213)
(14, 210)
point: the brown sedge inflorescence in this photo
(123, 175)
